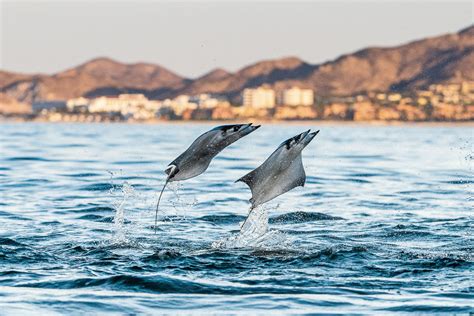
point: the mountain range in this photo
(440, 59)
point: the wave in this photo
(29, 158)
(92, 209)
(303, 217)
(4, 241)
(161, 284)
(100, 186)
(222, 219)
(98, 218)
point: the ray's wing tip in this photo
(241, 179)
(253, 126)
(313, 134)
(249, 128)
(300, 137)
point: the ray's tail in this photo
(158, 204)
(171, 171)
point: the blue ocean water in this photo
(383, 224)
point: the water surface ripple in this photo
(383, 224)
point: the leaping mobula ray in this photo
(280, 173)
(198, 156)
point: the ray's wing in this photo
(288, 179)
(264, 189)
(256, 179)
(198, 148)
(294, 176)
(250, 179)
(201, 143)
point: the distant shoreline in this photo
(258, 121)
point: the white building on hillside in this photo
(261, 98)
(180, 104)
(205, 101)
(297, 96)
(122, 103)
(135, 105)
(77, 103)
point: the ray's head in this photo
(235, 130)
(299, 142)
(225, 135)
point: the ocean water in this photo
(383, 224)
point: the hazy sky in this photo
(194, 37)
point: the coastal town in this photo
(439, 102)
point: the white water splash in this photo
(254, 233)
(180, 203)
(119, 231)
(256, 224)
